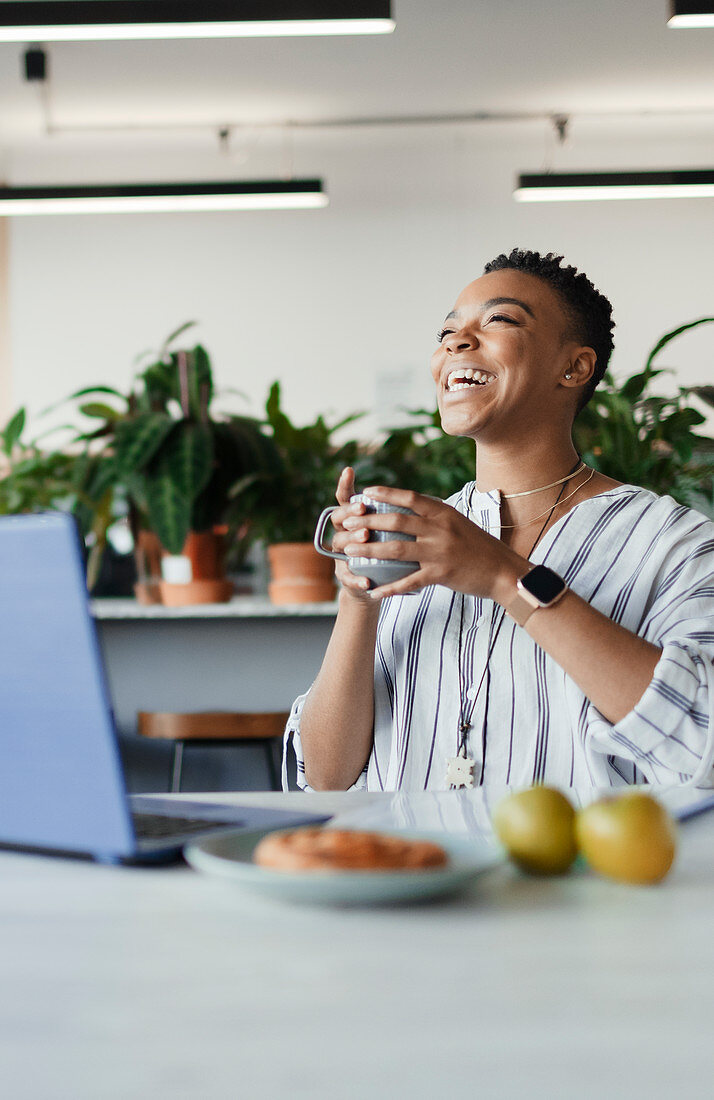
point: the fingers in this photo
(386, 521)
(404, 498)
(407, 586)
(346, 485)
(357, 587)
(394, 550)
(347, 511)
(354, 538)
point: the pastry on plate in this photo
(334, 850)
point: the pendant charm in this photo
(459, 770)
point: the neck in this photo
(526, 464)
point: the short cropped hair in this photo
(589, 312)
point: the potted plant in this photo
(288, 505)
(635, 436)
(184, 472)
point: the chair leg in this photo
(272, 770)
(176, 769)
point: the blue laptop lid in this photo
(61, 779)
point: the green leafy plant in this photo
(310, 462)
(181, 469)
(32, 479)
(35, 479)
(160, 454)
(422, 457)
(635, 436)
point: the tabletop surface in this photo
(134, 982)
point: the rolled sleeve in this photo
(669, 735)
(291, 740)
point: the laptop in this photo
(62, 785)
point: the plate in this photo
(230, 855)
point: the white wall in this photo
(337, 302)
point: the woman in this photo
(560, 627)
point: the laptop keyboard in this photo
(156, 826)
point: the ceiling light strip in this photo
(163, 198)
(85, 20)
(691, 14)
(598, 186)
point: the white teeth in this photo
(457, 378)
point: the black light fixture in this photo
(691, 13)
(145, 198)
(85, 20)
(580, 186)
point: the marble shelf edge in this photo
(241, 607)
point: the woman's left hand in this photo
(450, 549)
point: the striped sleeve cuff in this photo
(672, 723)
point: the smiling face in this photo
(502, 357)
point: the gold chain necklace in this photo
(526, 523)
(529, 492)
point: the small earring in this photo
(568, 375)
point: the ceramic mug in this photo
(376, 569)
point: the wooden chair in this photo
(215, 728)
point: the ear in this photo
(579, 368)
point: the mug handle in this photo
(320, 530)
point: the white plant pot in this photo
(176, 569)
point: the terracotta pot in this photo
(201, 591)
(299, 574)
(206, 552)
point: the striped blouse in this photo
(647, 563)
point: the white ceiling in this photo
(450, 57)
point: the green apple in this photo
(629, 837)
(537, 828)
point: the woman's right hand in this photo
(354, 587)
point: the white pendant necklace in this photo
(460, 768)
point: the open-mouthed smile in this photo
(466, 377)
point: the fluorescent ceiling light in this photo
(580, 186)
(691, 13)
(83, 20)
(145, 198)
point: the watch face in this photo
(543, 583)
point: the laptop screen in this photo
(61, 780)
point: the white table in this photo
(132, 983)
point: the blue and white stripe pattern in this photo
(645, 562)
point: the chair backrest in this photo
(212, 725)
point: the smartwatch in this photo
(540, 587)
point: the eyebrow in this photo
(498, 302)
